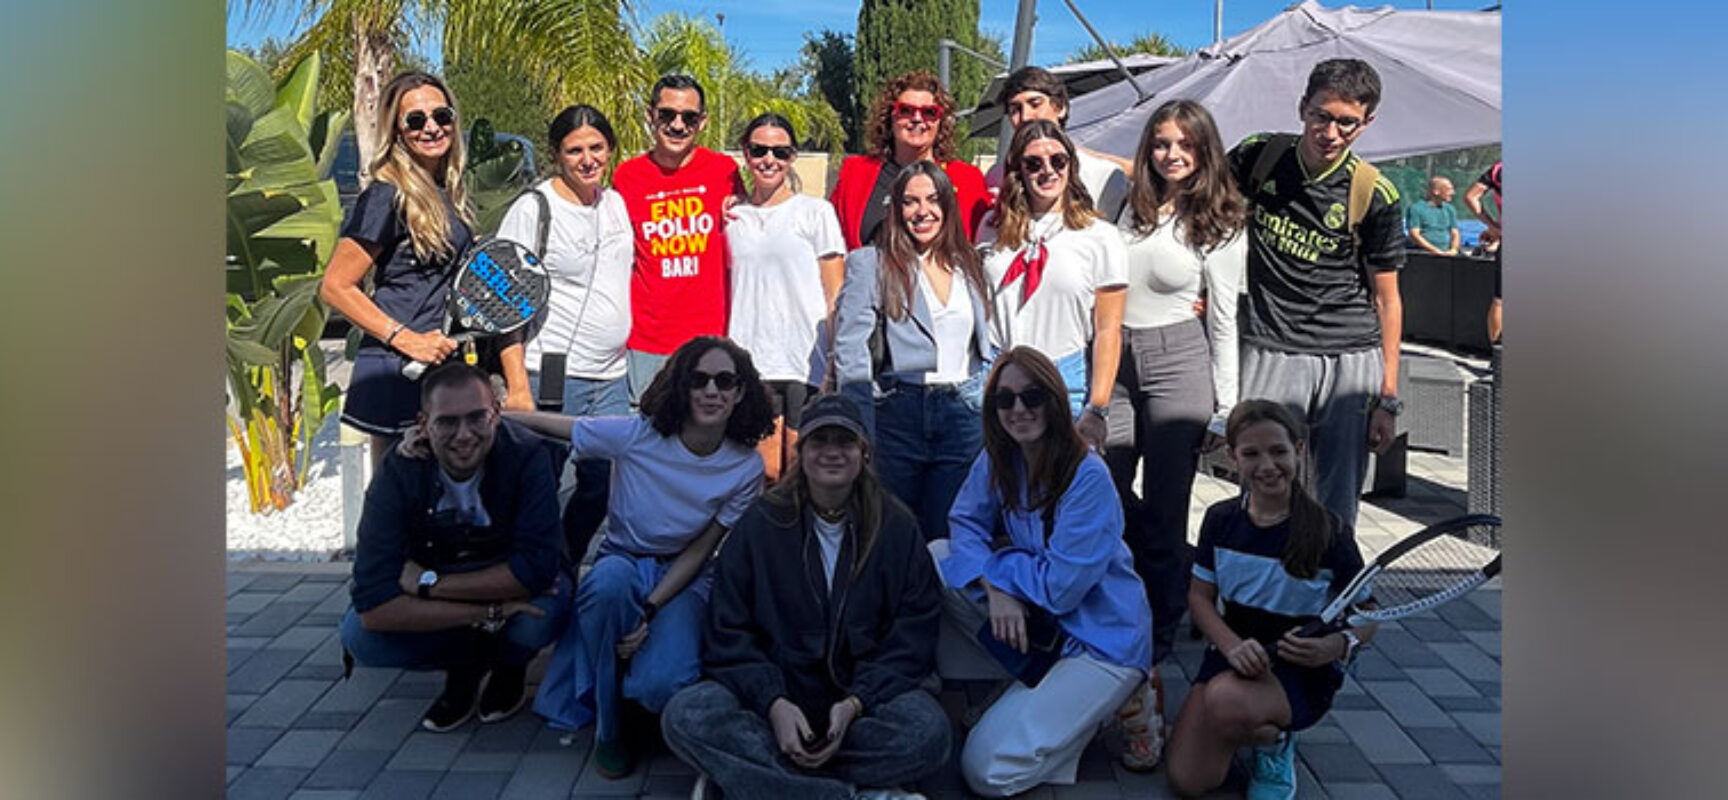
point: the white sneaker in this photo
(705, 789)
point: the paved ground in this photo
(1420, 718)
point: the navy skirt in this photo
(379, 400)
(1309, 689)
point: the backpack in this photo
(1363, 176)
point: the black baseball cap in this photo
(831, 409)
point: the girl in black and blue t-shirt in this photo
(1276, 557)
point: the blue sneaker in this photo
(1274, 775)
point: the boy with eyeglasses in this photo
(458, 563)
(676, 195)
(1323, 317)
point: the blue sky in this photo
(770, 32)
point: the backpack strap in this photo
(1363, 180)
(1276, 146)
(545, 224)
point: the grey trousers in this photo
(1333, 394)
(892, 745)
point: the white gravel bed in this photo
(309, 529)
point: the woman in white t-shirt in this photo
(574, 361)
(683, 472)
(787, 263)
(1183, 226)
(1058, 271)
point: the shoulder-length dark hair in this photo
(1310, 523)
(1014, 209)
(1208, 204)
(897, 270)
(1048, 475)
(666, 403)
(867, 506)
(879, 130)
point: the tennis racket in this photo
(501, 287)
(1430, 568)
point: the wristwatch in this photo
(1102, 412)
(1390, 405)
(428, 579)
(1351, 643)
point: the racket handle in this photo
(413, 370)
(1320, 628)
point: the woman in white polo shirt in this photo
(1058, 271)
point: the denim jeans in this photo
(926, 440)
(584, 486)
(642, 369)
(586, 682)
(892, 745)
(520, 640)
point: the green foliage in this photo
(496, 173)
(501, 91)
(1148, 43)
(895, 36)
(1462, 167)
(283, 217)
(828, 60)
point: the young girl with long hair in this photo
(1276, 557)
(911, 342)
(682, 474)
(1061, 558)
(1183, 229)
(786, 253)
(1058, 272)
(406, 229)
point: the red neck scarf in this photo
(1032, 267)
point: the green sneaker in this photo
(612, 758)
(1274, 775)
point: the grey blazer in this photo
(911, 340)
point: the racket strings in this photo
(497, 292)
(1433, 568)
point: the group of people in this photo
(915, 411)
(1433, 228)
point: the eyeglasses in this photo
(665, 116)
(1032, 165)
(1032, 397)
(724, 381)
(781, 152)
(908, 111)
(448, 424)
(1321, 120)
(442, 116)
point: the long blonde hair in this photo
(418, 198)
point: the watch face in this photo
(428, 578)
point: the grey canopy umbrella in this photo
(1439, 71)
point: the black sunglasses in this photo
(782, 152)
(724, 381)
(1032, 397)
(442, 116)
(1032, 165)
(666, 115)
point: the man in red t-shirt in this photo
(676, 195)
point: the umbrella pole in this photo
(1108, 49)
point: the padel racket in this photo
(501, 287)
(1430, 568)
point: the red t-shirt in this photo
(678, 286)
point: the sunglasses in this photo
(781, 152)
(909, 111)
(442, 116)
(1032, 398)
(1033, 165)
(724, 381)
(1321, 120)
(665, 116)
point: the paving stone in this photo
(1441, 682)
(310, 670)
(336, 602)
(327, 619)
(1141, 785)
(1306, 784)
(313, 592)
(1482, 725)
(266, 783)
(347, 769)
(1420, 782)
(1373, 666)
(1407, 704)
(425, 750)
(544, 775)
(1088, 790)
(1488, 688)
(276, 581)
(590, 784)
(283, 704)
(1379, 737)
(299, 749)
(359, 691)
(238, 656)
(234, 772)
(1468, 660)
(249, 602)
(245, 745)
(1351, 686)
(511, 736)
(1360, 791)
(1449, 745)
(470, 786)
(1427, 630)
(1467, 617)
(234, 582)
(1486, 600)
(1333, 763)
(1405, 650)
(301, 637)
(551, 740)
(325, 794)
(401, 785)
(1322, 734)
(1481, 791)
(262, 670)
(385, 726)
(273, 620)
(241, 702)
(408, 687)
(668, 785)
(485, 762)
(668, 764)
(1477, 703)
(1357, 702)
(1489, 641)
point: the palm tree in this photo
(1148, 43)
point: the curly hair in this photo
(1208, 203)
(879, 133)
(666, 403)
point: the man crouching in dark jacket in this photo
(822, 627)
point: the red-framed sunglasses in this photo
(909, 111)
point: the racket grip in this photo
(413, 370)
(1320, 628)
